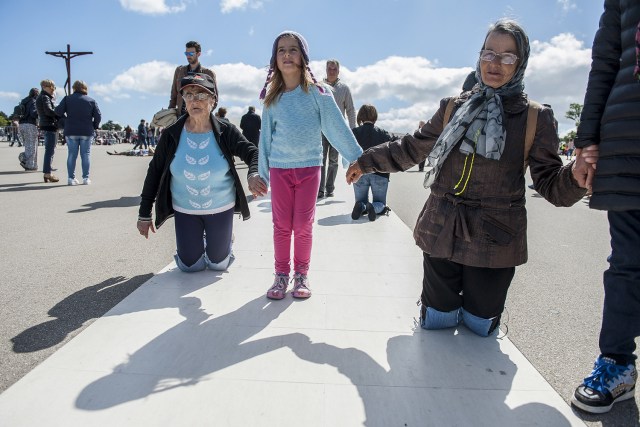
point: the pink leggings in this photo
(293, 206)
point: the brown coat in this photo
(181, 71)
(486, 225)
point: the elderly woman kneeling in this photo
(192, 177)
(473, 227)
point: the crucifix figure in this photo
(67, 59)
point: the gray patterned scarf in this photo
(478, 122)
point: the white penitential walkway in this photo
(209, 349)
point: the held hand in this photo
(354, 173)
(144, 227)
(584, 167)
(257, 186)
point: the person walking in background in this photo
(142, 135)
(127, 134)
(610, 122)
(48, 123)
(473, 227)
(291, 155)
(342, 96)
(81, 120)
(368, 135)
(29, 131)
(193, 50)
(192, 176)
(14, 134)
(250, 124)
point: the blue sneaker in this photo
(608, 383)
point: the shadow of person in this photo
(433, 378)
(122, 202)
(186, 354)
(74, 311)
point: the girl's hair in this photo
(367, 113)
(276, 81)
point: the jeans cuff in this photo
(199, 265)
(434, 319)
(480, 326)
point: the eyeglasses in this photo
(190, 53)
(201, 96)
(505, 58)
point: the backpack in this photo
(532, 121)
(19, 111)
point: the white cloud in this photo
(567, 5)
(153, 78)
(153, 7)
(228, 6)
(11, 96)
(404, 89)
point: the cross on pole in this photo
(67, 59)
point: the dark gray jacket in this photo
(611, 113)
(82, 114)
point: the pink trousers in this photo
(293, 206)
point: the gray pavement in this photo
(72, 253)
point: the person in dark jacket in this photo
(610, 123)
(142, 135)
(29, 132)
(473, 227)
(192, 177)
(48, 123)
(250, 124)
(368, 135)
(82, 119)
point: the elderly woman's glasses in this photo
(201, 96)
(505, 58)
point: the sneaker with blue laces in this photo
(608, 383)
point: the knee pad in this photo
(480, 326)
(433, 319)
(218, 266)
(199, 265)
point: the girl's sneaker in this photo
(279, 287)
(300, 286)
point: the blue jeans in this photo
(50, 142)
(621, 313)
(378, 185)
(73, 144)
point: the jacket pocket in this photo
(497, 232)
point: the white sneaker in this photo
(72, 181)
(86, 181)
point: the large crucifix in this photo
(67, 59)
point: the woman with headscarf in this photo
(472, 228)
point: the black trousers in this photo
(447, 286)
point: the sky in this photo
(402, 56)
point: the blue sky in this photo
(401, 55)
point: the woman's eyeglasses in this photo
(505, 58)
(201, 96)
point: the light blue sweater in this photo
(292, 128)
(201, 181)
